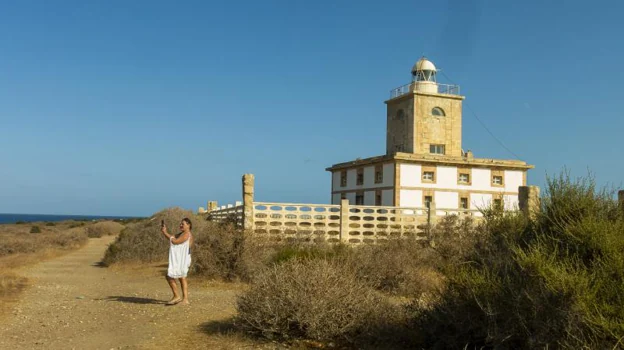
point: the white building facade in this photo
(424, 162)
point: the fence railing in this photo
(442, 89)
(228, 213)
(350, 224)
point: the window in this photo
(343, 178)
(359, 198)
(463, 203)
(428, 176)
(428, 200)
(497, 180)
(399, 114)
(360, 177)
(464, 178)
(438, 112)
(379, 174)
(378, 198)
(437, 149)
(498, 204)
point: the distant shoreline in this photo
(6, 218)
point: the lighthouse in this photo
(424, 161)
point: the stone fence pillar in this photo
(248, 198)
(212, 205)
(529, 200)
(344, 221)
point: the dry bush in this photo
(28, 243)
(219, 251)
(222, 251)
(400, 267)
(103, 228)
(314, 299)
(142, 241)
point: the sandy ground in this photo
(74, 303)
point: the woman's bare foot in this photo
(184, 302)
(173, 301)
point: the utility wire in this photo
(481, 122)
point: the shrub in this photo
(50, 224)
(143, 242)
(35, 229)
(218, 251)
(554, 282)
(225, 252)
(306, 251)
(315, 299)
(104, 228)
(24, 243)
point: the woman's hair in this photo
(188, 221)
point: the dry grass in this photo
(30, 243)
(104, 228)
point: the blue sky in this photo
(127, 107)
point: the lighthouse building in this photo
(424, 160)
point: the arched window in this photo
(438, 112)
(399, 114)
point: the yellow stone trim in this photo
(397, 184)
(437, 160)
(380, 188)
(504, 193)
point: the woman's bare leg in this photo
(174, 288)
(184, 285)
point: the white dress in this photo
(179, 259)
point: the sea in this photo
(13, 218)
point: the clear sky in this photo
(127, 107)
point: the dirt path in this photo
(72, 302)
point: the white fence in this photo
(350, 224)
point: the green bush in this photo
(50, 224)
(554, 282)
(35, 229)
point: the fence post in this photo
(212, 205)
(529, 200)
(344, 221)
(248, 198)
(431, 215)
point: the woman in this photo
(179, 260)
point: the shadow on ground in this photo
(133, 300)
(222, 327)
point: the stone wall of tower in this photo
(430, 129)
(400, 125)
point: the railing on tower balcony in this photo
(442, 89)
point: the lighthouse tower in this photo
(424, 117)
